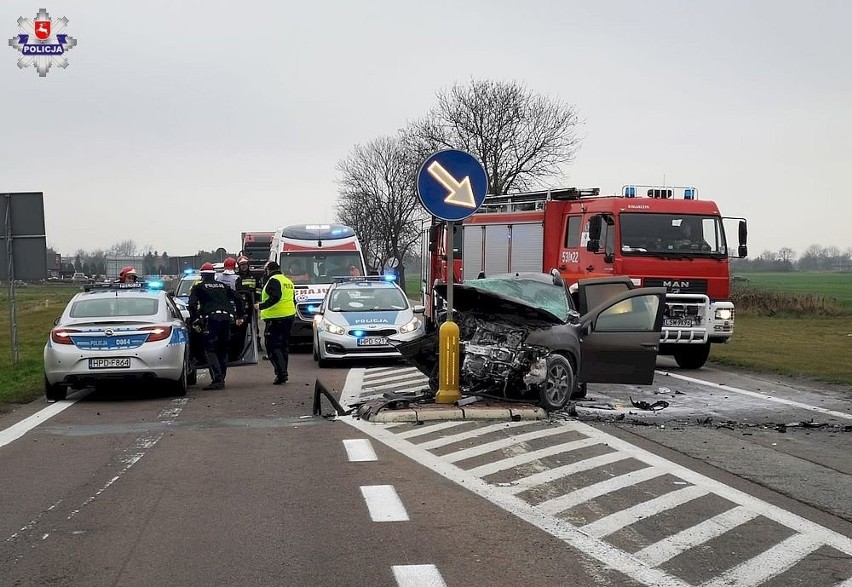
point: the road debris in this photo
(654, 407)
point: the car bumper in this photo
(71, 365)
(344, 346)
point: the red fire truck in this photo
(664, 237)
(255, 246)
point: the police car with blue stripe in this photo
(116, 332)
(359, 315)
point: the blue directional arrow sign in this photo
(452, 184)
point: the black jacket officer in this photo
(216, 303)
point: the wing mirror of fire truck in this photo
(434, 233)
(594, 244)
(742, 250)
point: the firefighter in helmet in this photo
(128, 275)
(229, 276)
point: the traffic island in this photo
(394, 411)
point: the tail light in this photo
(62, 335)
(156, 333)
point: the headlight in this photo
(332, 328)
(411, 326)
(724, 314)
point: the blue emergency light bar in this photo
(660, 192)
(352, 278)
(188, 271)
(139, 285)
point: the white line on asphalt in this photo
(422, 430)
(758, 395)
(397, 385)
(575, 498)
(528, 457)
(445, 440)
(564, 471)
(769, 563)
(418, 576)
(416, 377)
(352, 387)
(670, 547)
(613, 557)
(359, 450)
(381, 370)
(15, 431)
(618, 520)
(384, 504)
(488, 447)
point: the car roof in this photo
(141, 293)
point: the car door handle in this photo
(649, 345)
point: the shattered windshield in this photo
(646, 233)
(545, 296)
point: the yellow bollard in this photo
(448, 364)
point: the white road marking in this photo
(670, 547)
(352, 387)
(529, 457)
(769, 563)
(613, 557)
(385, 379)
(488, 447)
(422, 430)
(575, 498)
(621, 519)
(418, 576)
(382, 370)
(397, 386)
(384, 504)
(564, 471)
(438, 442)
(758, 395)
(15, 431)
(359, 450)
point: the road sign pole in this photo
(448, 337)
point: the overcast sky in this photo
(180, 124)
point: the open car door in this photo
(242, 347)
(621, 336)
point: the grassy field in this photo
(37, 307)
(834, 286)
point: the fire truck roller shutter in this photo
(472, 251)
(527, 247)
(496, 249)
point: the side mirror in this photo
(594, 244)
(742, 250)
(418, 309)
(56, 320)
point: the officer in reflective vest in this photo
(277, 309)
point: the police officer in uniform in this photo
(277, 309)
(216, 304)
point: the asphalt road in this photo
(243, 486)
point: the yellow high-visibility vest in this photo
(286, 306)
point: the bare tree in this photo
(125, 248)
(786, 255)
(519, 136)
(378, 200)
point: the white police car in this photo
(359, 315)
(115, 332)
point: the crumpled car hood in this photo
(500, 308)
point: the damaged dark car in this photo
(521, 337)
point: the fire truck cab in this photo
(665, 237)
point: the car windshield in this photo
(367, 299)
(545, 296)
(312, 267)
(650, 234)
(108, 307)
(185, 285)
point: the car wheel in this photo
(579, 391)
(316, 353)
(323, 363)
(54, 392)
(558, 385)
(692, 356)
(179, 386)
